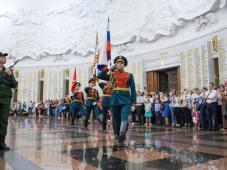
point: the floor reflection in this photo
(48, 143)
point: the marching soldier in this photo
(77, 102)
(7, 81)
(107, 90)
(123, 95)
(91, 101)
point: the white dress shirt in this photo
(212, 95)
(139, 100)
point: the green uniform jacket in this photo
(119, 97)
(5, 89)
(76, 104)
(105, 99)
(89, 102)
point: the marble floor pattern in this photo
(52, 144)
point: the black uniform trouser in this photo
(4, 114)
(212, 115)
(105, 114)
(120, 119)
(88, 111)
(75, 114)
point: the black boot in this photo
(73, 122)
(121, 140)
(3, 145)
(123, 130)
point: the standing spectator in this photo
(178, 109)
(157, 109)
(148, 114)
(196, 115)
(196, 98)
(30, 108)
(186, 106)
(33, 109)
(16, 109)
(212, 103)
(51, 108)
(24, 107)
(202, 109)
(140, 107)
(46, 108)
(221, 90)
(60, 108)
(40, 109)
(171, 107)
(165, 112)
(224, 108)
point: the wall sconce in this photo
(41, 73)
(215, 43)
(67, 72)
(162, 63)
(16, 74)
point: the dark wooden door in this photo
(152, 81)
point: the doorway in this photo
(163, 80)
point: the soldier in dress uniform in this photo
(123, 95)
(76, 102)
(7, 82)
(91, 101)
(107, 90)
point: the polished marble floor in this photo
(52, 144)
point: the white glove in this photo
(94, 103)
(113, 67)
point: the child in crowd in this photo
(196, 115)
(148, 114)
(157, 109)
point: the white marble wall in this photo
(223, 59)
(27, 84)
(54, 77)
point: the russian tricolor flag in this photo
(105, 58)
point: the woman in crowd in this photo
(171, 107)
(221, 90)
(224, 108)
(178, 109)
(165, 112)
(187, 106)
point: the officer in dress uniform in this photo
(123, 95)
(77, 102)
(7, 81)
(107, 90)
(91, 101)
